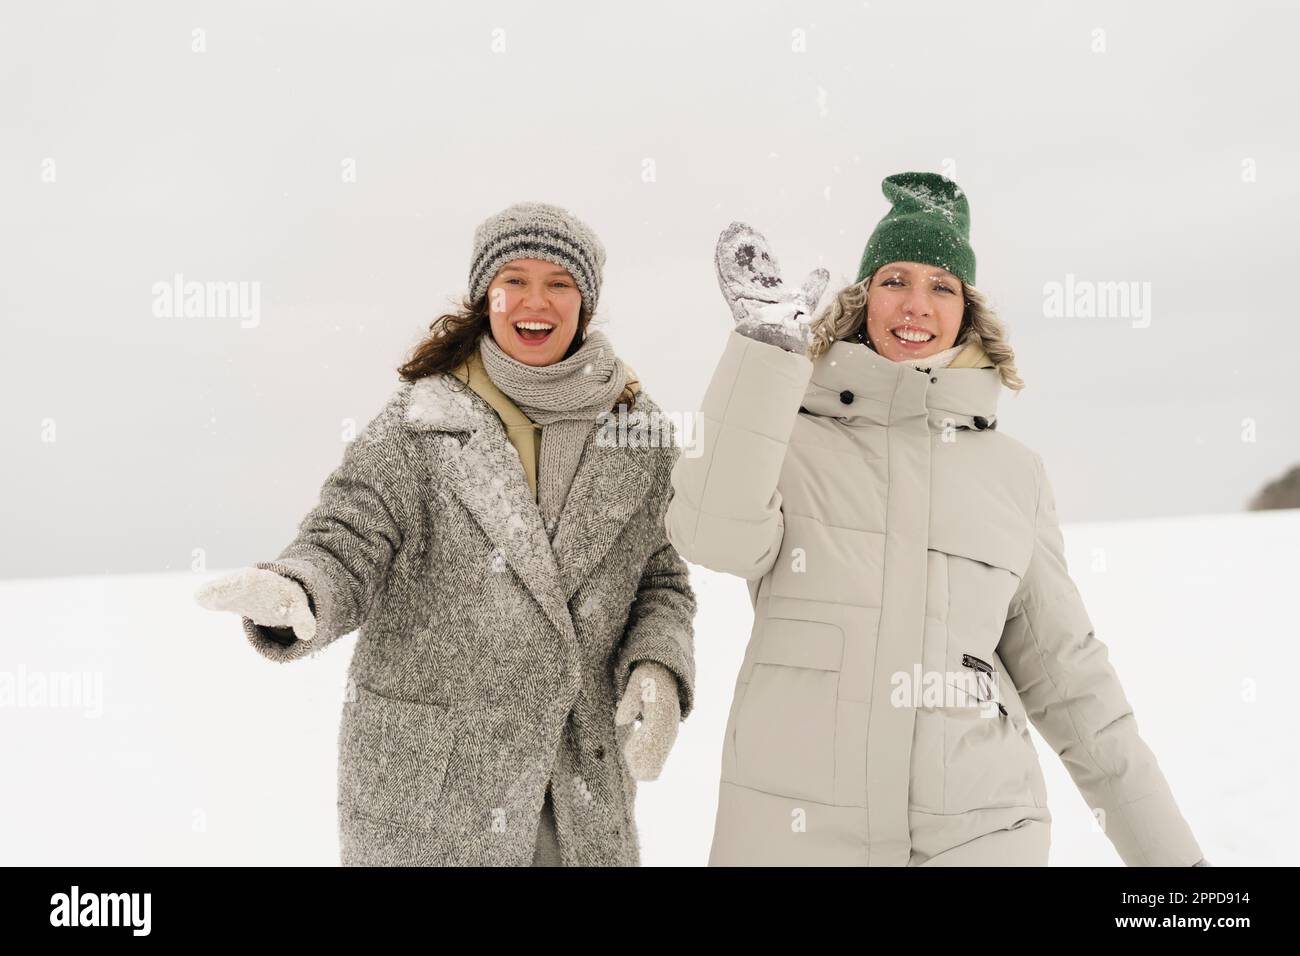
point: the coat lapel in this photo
(486, 476)
(608, 488)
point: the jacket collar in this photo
(881, 392)
(484, 472)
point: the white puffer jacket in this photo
(912, 613)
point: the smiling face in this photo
(534, 306)
(914, 310)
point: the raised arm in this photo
(725, 513)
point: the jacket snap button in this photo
(933, 378)
(846, 397)
(981, 422)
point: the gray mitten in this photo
(269, 599)
(651, 694)
(762, 306)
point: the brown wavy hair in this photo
(453, 338)
(845, 318)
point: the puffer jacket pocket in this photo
(784, 727)
(393, 758)
(986, 761)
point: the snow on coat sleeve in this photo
(1073, 696)
(660, 624)
(725, 512)
(345, 545)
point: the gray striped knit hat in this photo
(535, 230)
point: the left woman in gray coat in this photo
(504, 555)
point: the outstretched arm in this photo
(367, 512)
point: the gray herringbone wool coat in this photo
(490, 659)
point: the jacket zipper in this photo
(982, 667)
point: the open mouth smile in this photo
(533, 332)
(912, 338)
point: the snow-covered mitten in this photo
(269, 599)
(762, 306)
(651, 694)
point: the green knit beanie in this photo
(929, 222)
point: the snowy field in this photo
(186, 747)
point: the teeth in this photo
(533, 326)
(907, 335)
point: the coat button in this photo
(846, 397)
(981, 422)
(933, 378)
(600, 753)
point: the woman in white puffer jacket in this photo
(913, 609)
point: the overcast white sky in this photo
(1151, 144)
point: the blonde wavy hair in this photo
(846, 318)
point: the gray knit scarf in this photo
(566, 398)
